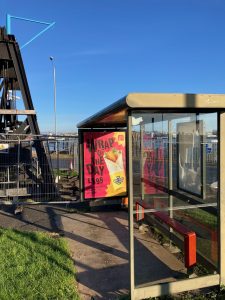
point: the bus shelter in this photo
(173, 173)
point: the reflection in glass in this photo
(189, 135)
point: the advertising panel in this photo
(104, 164)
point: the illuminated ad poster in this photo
(104, 164)
(153, 164)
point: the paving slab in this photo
(99, 243)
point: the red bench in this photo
(189, 236)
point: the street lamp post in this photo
(54, 79)
(56, 141)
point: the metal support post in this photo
(18, 168)
(142, 161)
(170, 165)
(221, 187)
(130, 197)
(57, 157)
(81, 164)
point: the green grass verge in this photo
(35, 266)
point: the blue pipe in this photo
(8, 24)
(8, 27)
(37, 35)
(30, 20)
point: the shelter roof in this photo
(115, 115)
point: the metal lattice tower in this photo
(13, 81)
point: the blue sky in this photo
(104, 49)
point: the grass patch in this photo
(34, 265)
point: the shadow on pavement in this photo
(99, 243)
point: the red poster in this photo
(104, 164)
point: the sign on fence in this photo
(4, 148)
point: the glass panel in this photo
(175, 175)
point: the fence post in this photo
(18, 168)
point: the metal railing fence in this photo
(32, 167)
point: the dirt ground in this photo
(99, 243)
